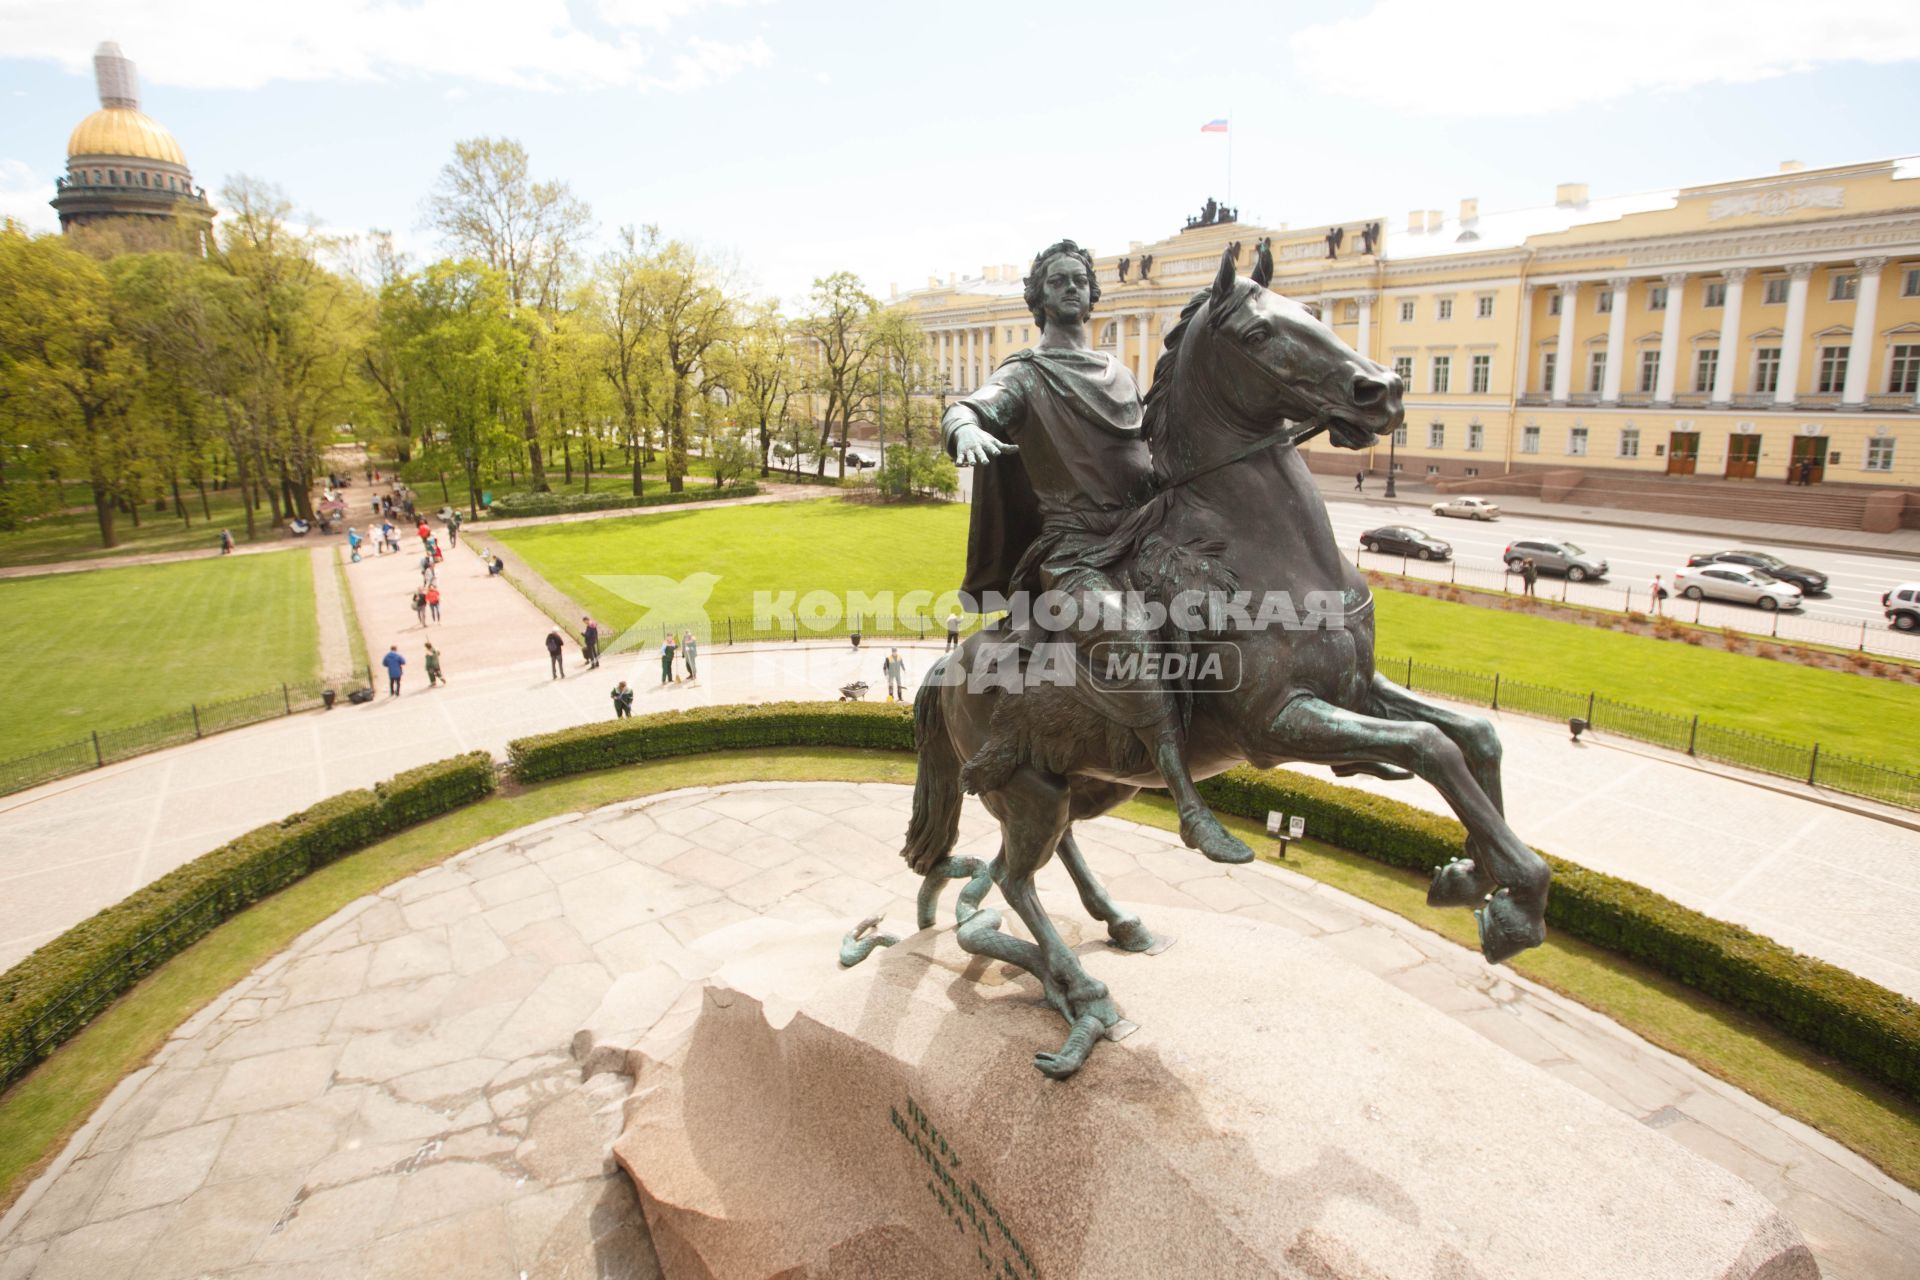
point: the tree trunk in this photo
(677, 437)
(586, 466)
(446, 495)
(179, 506)
(534, 463)
(103, 512)
(636, 470)
(566, 452)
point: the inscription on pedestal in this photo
(960, 1197)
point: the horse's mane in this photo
(1153, 422)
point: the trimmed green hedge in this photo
(515, 505)
(608, 743)
(1858, 1022)
(58, 989)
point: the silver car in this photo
(1742, 586)
(1467, 509)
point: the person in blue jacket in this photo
(393, 662)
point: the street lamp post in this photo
(1392, 440)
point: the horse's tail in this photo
(935, 826)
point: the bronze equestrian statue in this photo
(1201, 496)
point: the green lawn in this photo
(112, 647)
(75, 535)
(837, 546)
(816, 545)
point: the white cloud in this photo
(24, 195)
(243, 44)
(1526, 57)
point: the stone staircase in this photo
(1824, 506)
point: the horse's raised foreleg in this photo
(1123, 927)
(1512, 918)
(1463, 881)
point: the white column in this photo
(1663, 382)
(986, 352)
(1860, 352)
(1728, 366)
(1616, 341)
(1523, 370)
(1793, 337)
(967, 382)
(1563, 348)
(1363, 339)
(1141, 354)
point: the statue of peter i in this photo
(1056, 435)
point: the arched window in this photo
(143, 179)
(96, 177)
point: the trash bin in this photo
(326, 698)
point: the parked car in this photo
(1742, 586)
(1467, 509)
(1810, 581)
(860, 461)
(1555, 557)
(1400, 540)
(1902, 606)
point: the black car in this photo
(1810, 581)
(1399, 540)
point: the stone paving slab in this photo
(429, 1082)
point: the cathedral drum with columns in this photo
(1747, 349)
(126, 173)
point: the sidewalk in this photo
(1415, 495)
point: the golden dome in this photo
(124, 131)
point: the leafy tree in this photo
(470, 357)
(488, 207)
(839, 321)
(764, 375)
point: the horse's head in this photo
(1263, 358)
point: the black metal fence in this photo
(1808, 763)
(106, 746)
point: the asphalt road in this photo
(1847, 615)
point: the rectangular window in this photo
(1403, 369)
(1009, 333)
(1706, 367)
(1649, 371)
(1880, 453)
(1910, 283)
(1629, 442)
(1406, 312)
(1529, 439)
(1833, 370)
(1547, 361)
(1442, 373)
(1903, 370)
(1846, 286)
(1577, 442)
(1350, 312)
(1597, 372)
(1553, 304)
(1716, 294)
(1484, 308)
(1766, 369)
(1482, 374)
(1776, 295)
(1657, 297)
(1436, 435)
(1476, 435)
(1603, 301)
(1400, 435)
(1446, 309)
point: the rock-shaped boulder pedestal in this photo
(1279, 1112)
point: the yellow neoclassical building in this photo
(1677, 348)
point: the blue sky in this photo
(900, 141)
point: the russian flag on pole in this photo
(1215, 126)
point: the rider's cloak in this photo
(1076, 416)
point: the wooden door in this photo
(1809, 449)
(1683, 452)
(1743, 457)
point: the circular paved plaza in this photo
(429, 1082)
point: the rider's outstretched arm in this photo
(979, 428)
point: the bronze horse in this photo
(1246, 374)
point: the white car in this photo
(1467, 509)
(1742, 586)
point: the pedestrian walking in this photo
(226, 542)
(689, 651)
(622, 701)
(420, 604)
(394, 664)
(1360, 481)
(1529, 574)
(666, 659)
(954, 623)
(433, 668)
(556, 648)
(1657, 593)
(353, 544)
(427, 575)
(433, 549)
(895, 669)
(433, 602)
(453, 530)
(590, 642)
